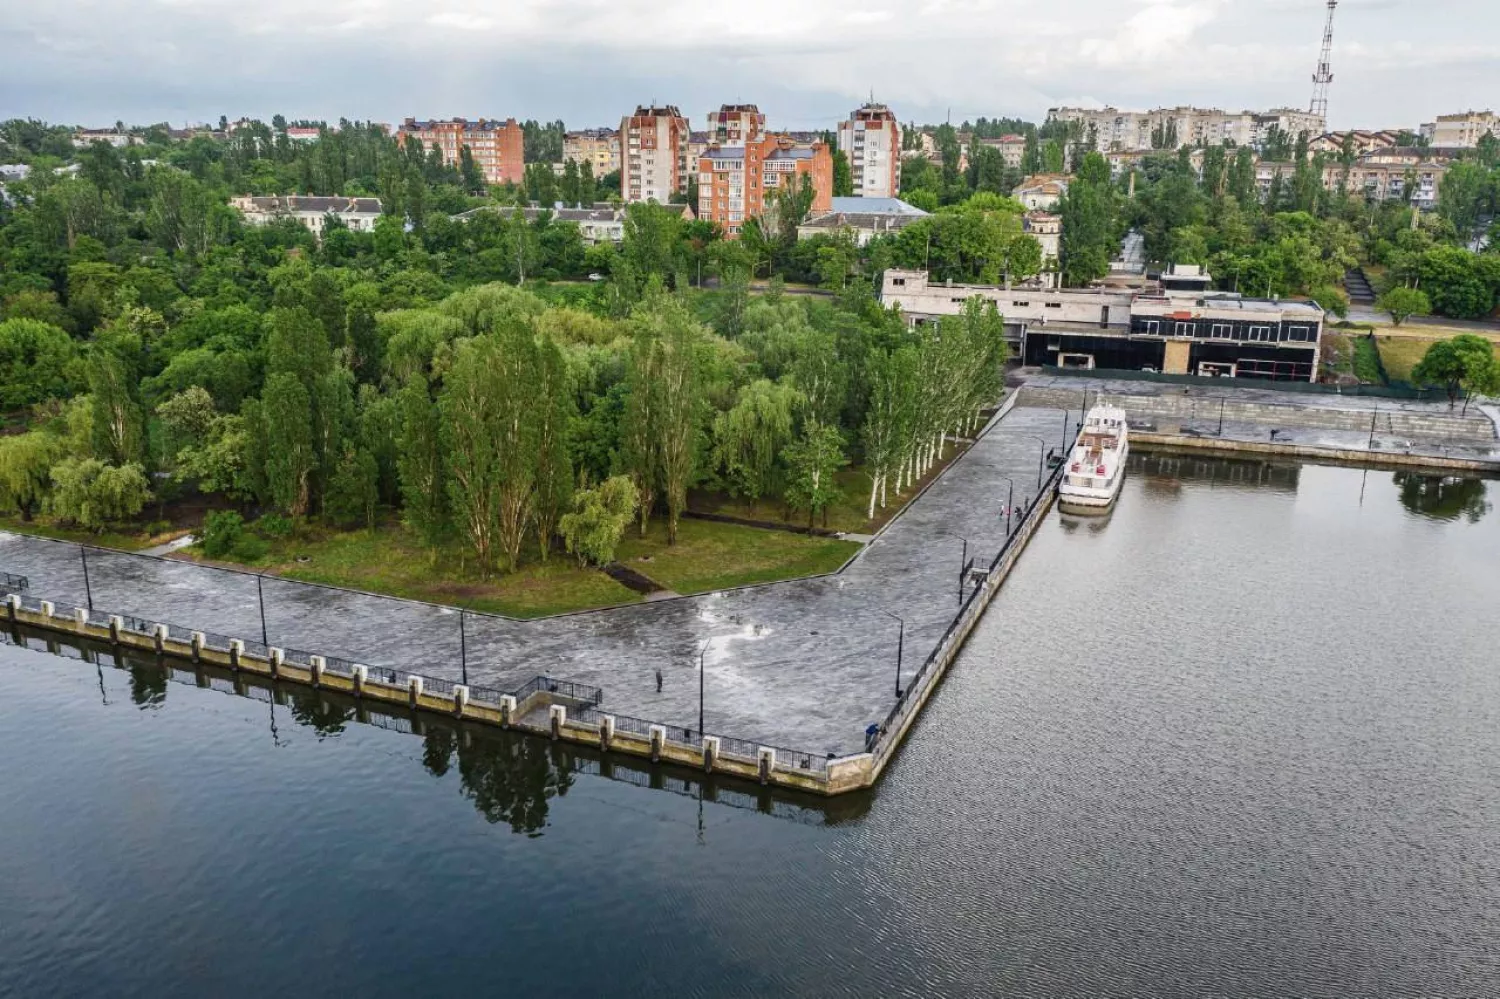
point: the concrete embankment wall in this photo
(1428, 424)
(1378, 459)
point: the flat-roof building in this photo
(497, 147)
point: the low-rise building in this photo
(1361, 141)
(498, 147)
(599, 223)
(1176, 331)
(359, 214)
(862, 218)
(1041, 192)
(85, 137)
(1046, 229)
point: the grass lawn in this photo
(46, 527)
(1401, 353)
(713, 556)
(390, 560)
(848, 514)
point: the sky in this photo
(807, 63)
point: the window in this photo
(1261, 334)
(1223, 331)
(1182, 329)
(1150, 326)
(899, 282)
(1299, 333)
(1053, 305)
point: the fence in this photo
(1398, 390)
(585, 697)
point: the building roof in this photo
(875, 206)
(724, 153)
(302, 203)
(792, 153)
(468, 125)
(874, 221)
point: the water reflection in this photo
(511, 779)
(1443, 497)
(1163, 472)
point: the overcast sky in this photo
(805, 62)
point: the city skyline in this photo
(806, 66)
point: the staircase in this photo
(1358, 287)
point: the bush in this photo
(274, 526)
(250, 548)
(223, 531)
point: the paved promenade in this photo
(804, 665)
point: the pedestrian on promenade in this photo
(658, 680)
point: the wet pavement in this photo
(805, 664)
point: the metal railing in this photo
(14, 583)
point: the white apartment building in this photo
(654, 154)
(359, 214)
(871, 139)
(1461, 131)
(1115, 130)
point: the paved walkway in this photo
(805, 664)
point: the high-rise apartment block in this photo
(653, 154)
(736, 178)
(598, 147)
(1461, 131)
(1113, 130)
(871, 139)
(497, 146)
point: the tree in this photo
(119, 431)
(593, 528)
(37, 362)
(420, 465)
(1466, 361)
(92, 494)
(291, 459)
(555, 410)
(663, 414)
(1088, 237)
(843, 176)
(1403, 303)
(26, 471)
(749, 438)
(353, 491)
(814, 460)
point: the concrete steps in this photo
(1358, 287)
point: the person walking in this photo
(658, 680)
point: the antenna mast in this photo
(1324, 76)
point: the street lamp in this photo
(963, 560)
(463, 647)
(1041, 455)
(260, 594)
(83, 553)
(900, 645)
(702, 651)
(1009, 502)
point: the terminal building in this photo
(1174, 325)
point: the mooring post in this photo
(199, 640)
(557, 715)
(606, 731)
(658, 740)
(12, 604)
(710, 751)
(359, 674)
(160, 635)
(274, 657)
(507, 710)
(460, 699)
(414, 690)
(116, 625)
(766, 757)
(315, 665)
(236, 649)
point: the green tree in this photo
(291, 458)
(353, 491)
(664, 412)
(555, 411)
(843, 176)
(1402, 303)
(593, 528)
(749, 438)
(420, 464)
(1466, 362)
(119, 430)
(813, 461)
(37, 362)
(26, 462)
(92, 494)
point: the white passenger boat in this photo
(1096, 466)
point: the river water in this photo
(1240, 738)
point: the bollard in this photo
(507, 710)
(606, 731)
(81, 619)
(236, 649)
(460, 699)
(767, 757)
(199, 640)
(414, 689)
(13, 604)
(710, 751)
(360, 674)
(116, 625)
(658, 740)
(558, 716)
(160, 634)
(48, 608)
(274, 657)
(315, 666)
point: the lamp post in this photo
(702, 651)
(88, 591)
(1041, 454)
(900, 646)
(463, 647)
(963, 560)
(1009, 502)
(260, 594)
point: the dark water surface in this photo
(1241, 738)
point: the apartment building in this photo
(736, 125)
(599, 223)
(598, 147)
(1114, 130)
(1382, 175)
(863, 219)
(735, 182)
(1012, 149)
(1362, 141)
(1195, 332)
(497, 146)
(1046, 229)
(654, 162)
(85, 137)
(1461, 131)
(871, 139)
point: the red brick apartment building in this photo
(743, 166)
(496, 146)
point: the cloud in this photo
(806, 62)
